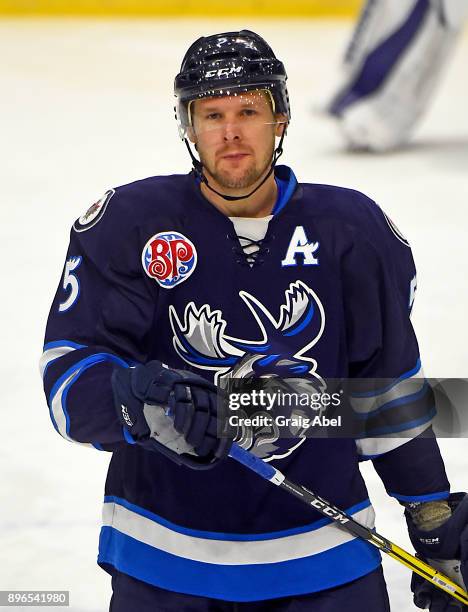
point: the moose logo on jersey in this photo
(169, 258)
(201, 340)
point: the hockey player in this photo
(172, 285)
(392, 67)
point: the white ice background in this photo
(86, 105)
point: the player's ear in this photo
(191, 134)
(190, 129)
(282, 124)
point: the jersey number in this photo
(70, 281)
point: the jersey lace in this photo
(251, 252)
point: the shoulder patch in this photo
(94, 213)
(395, 231)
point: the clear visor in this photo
(230, 112)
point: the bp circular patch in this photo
(94, 213)
(169, 258)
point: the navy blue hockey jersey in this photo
(154, 271)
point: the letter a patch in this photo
(300, 245)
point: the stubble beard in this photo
(243, 181)
(231, 180)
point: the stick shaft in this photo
(345, 521)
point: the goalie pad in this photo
(392, 67)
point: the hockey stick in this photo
(343, 520)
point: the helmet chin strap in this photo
(198, 170)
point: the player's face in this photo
(235, 137)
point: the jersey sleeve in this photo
(100, 318)
(391, 400)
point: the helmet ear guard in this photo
(229, 64)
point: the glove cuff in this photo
(427, 516)
(442, 542)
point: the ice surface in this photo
(87, 104)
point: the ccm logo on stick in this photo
(334, 514)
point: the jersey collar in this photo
(285, 180)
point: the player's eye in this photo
(213, 116)
(249, 112)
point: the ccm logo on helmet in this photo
(223, 71)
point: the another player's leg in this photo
(393, 64)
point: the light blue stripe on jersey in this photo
(56, 343)
(394, 429)
(376, 392)
(233, 537)
(372, 447)
(404, 397)
(421, 498)
(236, 567)
(58, 395)
(251, 582)
(54, 350)
(398, 401)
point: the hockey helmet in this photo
(229, 64)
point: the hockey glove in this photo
(170, 411)
(446, 549)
